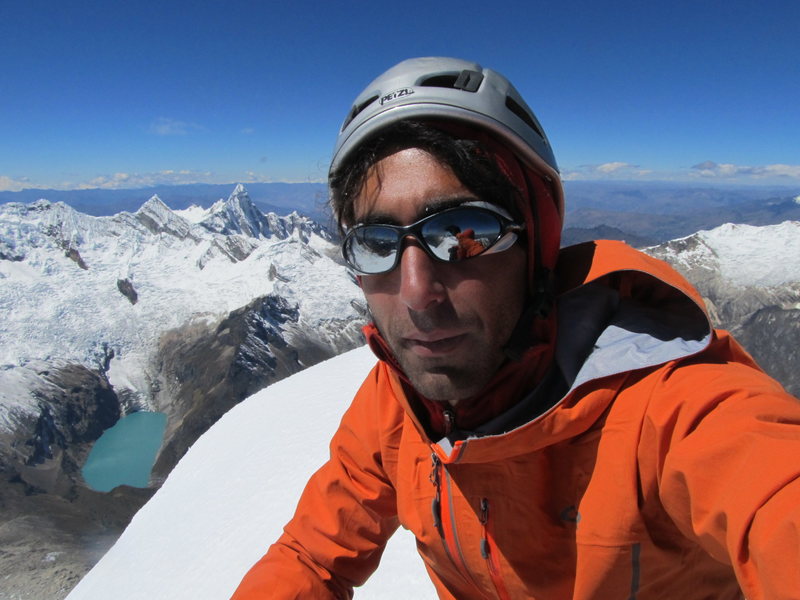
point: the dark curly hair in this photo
(469, 161)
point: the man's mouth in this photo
(434, 345)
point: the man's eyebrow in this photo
(434, 206)
(378, 218)
(440, 204)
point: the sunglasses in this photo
(452, 235)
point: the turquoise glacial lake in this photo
(125, 453)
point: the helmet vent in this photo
(445, 81)
(356, 110)
(515, 107)
(466, 80)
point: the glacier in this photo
(98, 291)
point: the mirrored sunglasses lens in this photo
(371, 248)
(459, 234)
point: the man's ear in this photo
(358, 280)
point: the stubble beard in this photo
(449, 378)
(446, 383)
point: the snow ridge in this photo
(745, 255)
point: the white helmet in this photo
(450, 89)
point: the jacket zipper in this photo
(443, 520)
(445, 524)
(489, 552)
(436, 506)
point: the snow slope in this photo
(745, 255)
(231, 494)
(760, 256)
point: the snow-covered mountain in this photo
(182, 312)
(745, 255)
(750, 279)
(99, 291)
(228, 498)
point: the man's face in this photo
(446, 323)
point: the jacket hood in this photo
(536, 201)
(619, 312)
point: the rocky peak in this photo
(237, 215)
(157, 217)
(295, 224)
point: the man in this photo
(549, 424)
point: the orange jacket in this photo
(667, 470)
(468, 245)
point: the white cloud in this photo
(167, 126)
(10, 184)
(609, 170)
(774, 174)
(136, 180)
(133, 180)
(710, 169)
(610, 167)
(253, 177)
(782, 170)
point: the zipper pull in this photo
(434, 476)
(436, 505)
(484, 511)
(449, 421)
(484, 519)
(492, 559)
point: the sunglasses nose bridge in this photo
(416, 233)
(412, 238)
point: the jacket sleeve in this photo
(728, 453)
(343, 520)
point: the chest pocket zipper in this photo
(490, 552)
(488, 547)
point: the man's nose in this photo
(420, 282)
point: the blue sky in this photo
(126, 94)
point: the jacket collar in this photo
(618, 311)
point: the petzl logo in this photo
(396, 94)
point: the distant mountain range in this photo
(647, 214)
(640, 212)
(121, 297)
(307, 199)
